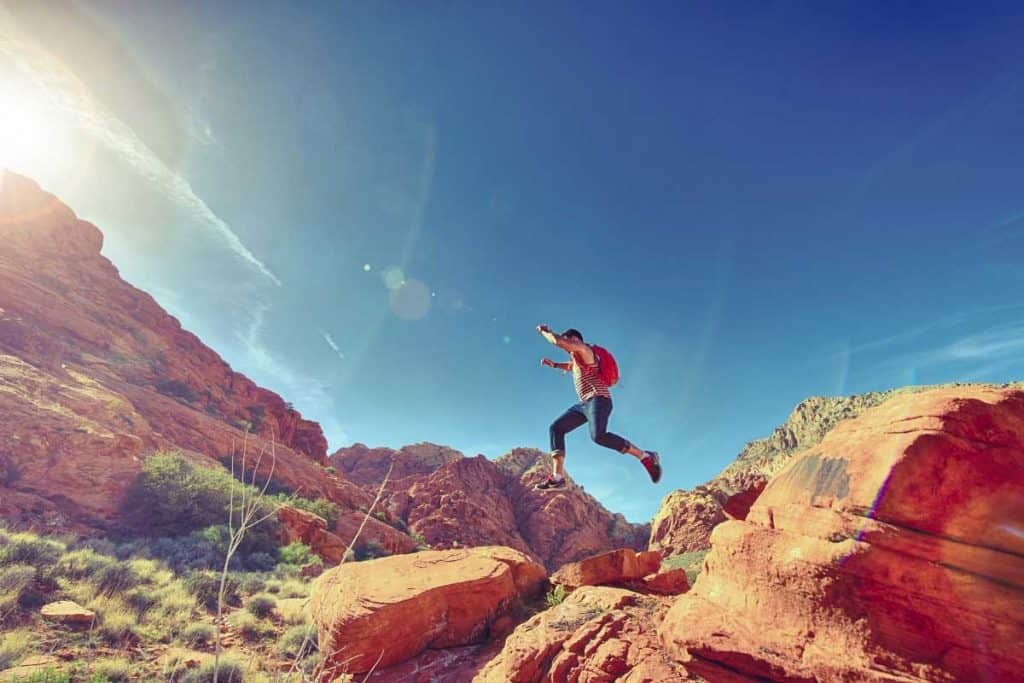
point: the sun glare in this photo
(31, 137)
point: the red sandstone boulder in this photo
(596, 634)
(684, 522)
(668, 582)
(615, 567)
(891, 551)
(382, 612)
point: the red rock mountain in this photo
(94, 375)
(686, 518)
(454, 501)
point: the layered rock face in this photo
(596, 634)
(686, 518)
(891, 551)
(454, 501)
(94, 375)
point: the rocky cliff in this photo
(453, 501)
(95, 375)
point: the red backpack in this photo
(607, 368)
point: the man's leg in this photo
(598, 410)
(568, 421)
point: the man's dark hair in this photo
(572, 332)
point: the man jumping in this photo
(594, 407)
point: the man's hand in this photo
(548, 363)
(543, 328)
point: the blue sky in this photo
(748, 203)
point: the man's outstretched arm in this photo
(569, 344)
(564, 367)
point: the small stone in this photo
(68, 612)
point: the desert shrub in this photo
(174, 609)
(293, 588)
(259, 562)
(370, 551)
(249, 626)
(114, 669)
(101, 546)
(14, 646)
(199, 634)
(293, 611)
(296, 554)
(272, 586)
(261, 604)
(692, 562)
(22, 587)
(142, 600)
(205, 586)
(555, 596)
(318, 506)
(298, 639)
(252, 583)
(82, 563)
(226, 672)
(117, 623)
(172, 497)
(116, 578)
(29, 549)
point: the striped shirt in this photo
(588, 380)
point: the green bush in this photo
(28, 549)
(173, 497)
(142, 600)
(227, 672)
(199, 634)
(249, 626)
(116, 578)
(297, 640)
(205, 585)
(370, 550)
(113, 669)
(82, 563)
(261, 604)
(22, 587)
(692, 562)
(14, 646)
(296, 554)
(251, 584)
(188, 506)
(555, 596)
(319, 506)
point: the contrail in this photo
(330, 342)
(68, 94)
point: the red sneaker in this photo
(652, 463)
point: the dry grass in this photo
(14, 646)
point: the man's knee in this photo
(609, 440)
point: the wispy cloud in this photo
(978, 353)
(69, 96)
(310, 394)
(330, 342)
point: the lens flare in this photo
(394, 278)
(410, 300)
